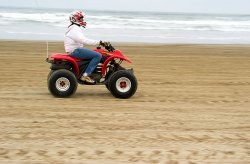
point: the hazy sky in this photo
(200, 6)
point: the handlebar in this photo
(107, 46)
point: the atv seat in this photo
(59, 56)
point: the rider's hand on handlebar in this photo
(104, 44)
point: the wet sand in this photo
(192, 106)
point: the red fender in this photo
(57, 56)
(111, 55)
(104, 66)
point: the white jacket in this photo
(74, 38)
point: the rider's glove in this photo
(104, 44)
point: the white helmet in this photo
(76, 17)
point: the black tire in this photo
(51, 71)
(107, 86)
(122, 84)
(62, 83)
(108, 78)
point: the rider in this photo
(73, 44)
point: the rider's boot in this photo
(88, 79)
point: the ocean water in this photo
(115, 26)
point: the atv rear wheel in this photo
(62, 83)
(122, 84)
(51, 71)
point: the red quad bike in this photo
(66, 71)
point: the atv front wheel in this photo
(107, 86)
(122, 84)
(62, 83)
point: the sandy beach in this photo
(192, 106)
